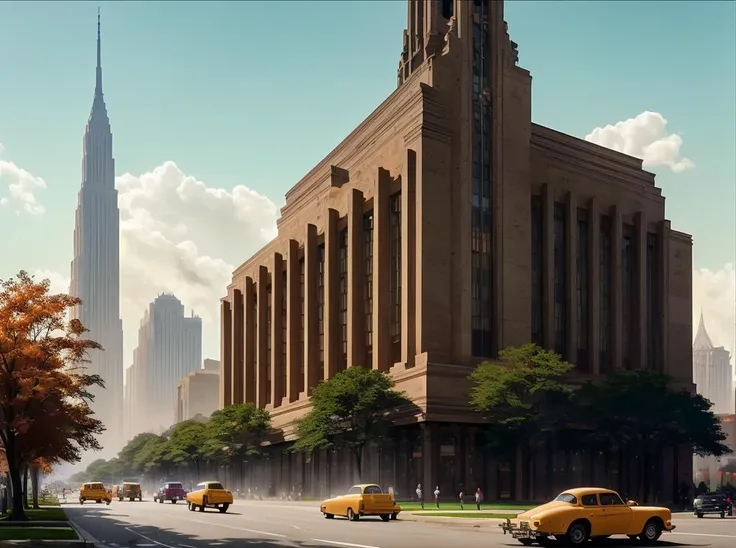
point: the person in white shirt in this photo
(420, 495)
(437, 496)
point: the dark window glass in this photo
(300, 382)
(254, 332)
(589, 500)
(269, 329)
(628, 272)
(284, 340)
(537, 266)
(395, 282)
(448, 8)
(560, 278)
(368, 286)
(321, 308)
(654, 288)
(567, 497)
(582, 277)
(343, 288)
(481, 214)
(610, 499)
(606, 294)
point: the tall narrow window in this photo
(395, 282)
(255, 338)
(368, 286)
(343, 287)
(284, 339)
(269, 330)
(606, 295)
(448, 8)
(300, 383)
(628, 269)
(321, 308)
(481, 218)
(582, 277)
(654, 288)
(560, 278)
(537, 284)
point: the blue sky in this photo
(255, 93)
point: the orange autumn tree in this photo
(44, 388)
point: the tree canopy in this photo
(352, 410)
(45, 413)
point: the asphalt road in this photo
(300, 525)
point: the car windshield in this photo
(94, 486)
(174, 485)
(566, 497)
(215, 486)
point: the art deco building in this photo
(169, 347)
(445, 227)
(198, 392)
(95, 270)
(712, 373)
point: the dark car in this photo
(172, 491)
(712, 503)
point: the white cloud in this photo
(179, 235)
(715, 292)
(22, 186)
(644, 137)
(59, 282)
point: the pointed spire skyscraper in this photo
(95, 276)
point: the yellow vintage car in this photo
(209, 494)
(586, 513)
(94, 490)
(128, 490)
(361, 500)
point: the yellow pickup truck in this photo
(209, 494)
(361, 500)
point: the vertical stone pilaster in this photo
(262, 352)
(548, 266)
(226, 363)
(594, 268)
(293, 323)
(311, 344)
(237, 383)
(408, 259)
(277, 329)
(618, 288)
(572, 279)
(356, 272)
(332, 284)
(664, 279)
(642, 326)
(250, 378)
(381, 273)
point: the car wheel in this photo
(173, 502)
(385, 517)
(577, 534)
(723, 515)
(351, 515)
(652, 531)
(223, 508)
(98, 501)
(329, 516)
(394, 516)
(700, 516)
(191, 507)
(204, 503)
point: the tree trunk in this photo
(358, 451)
(17, 513)
(25, 487)
(35, 472)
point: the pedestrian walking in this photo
(478, 498)
(420, 495)
(437, 496)
(462, 500)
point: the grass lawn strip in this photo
(465, 515)
(50, 513)
(411, 506)
(37, 533)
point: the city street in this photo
(283, 524)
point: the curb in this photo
(85, 539)
(483, 523)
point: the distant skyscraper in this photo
(712, 373)
(169, 347)
(95, 276)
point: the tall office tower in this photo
(712, 373)
(95, 269)
(169, 347)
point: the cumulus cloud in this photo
(714, 291)
(182, 236)
(58, 282)
(21, 186)
(645, 137)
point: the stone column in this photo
(356, 279)
(548, 266)
(226, 334)
(249, 377)
(332, 297)
(238, 347)
(277, 329)
(408, 259)
(572, 279)
(594, 284)
(642, 326)
(262, 351)
(617, 245)
(293, 323)
(663, 261)
(381, 273)
(311, 344)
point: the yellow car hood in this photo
(539, 510)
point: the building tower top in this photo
(702, 339)
(98, 81)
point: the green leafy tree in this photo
(352, 410)
(236, 431)
(188, 444)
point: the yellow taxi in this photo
(366, 499)
(209, 494)
(94, 490)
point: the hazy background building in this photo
(712, 373)
(198, 393)
(95, 269)
(169, 347)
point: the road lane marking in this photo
(186, 546)
(703, 535)
(296, 527)
(348, 544)
(155, 542)
(254, 531)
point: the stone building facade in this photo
(445, 227)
